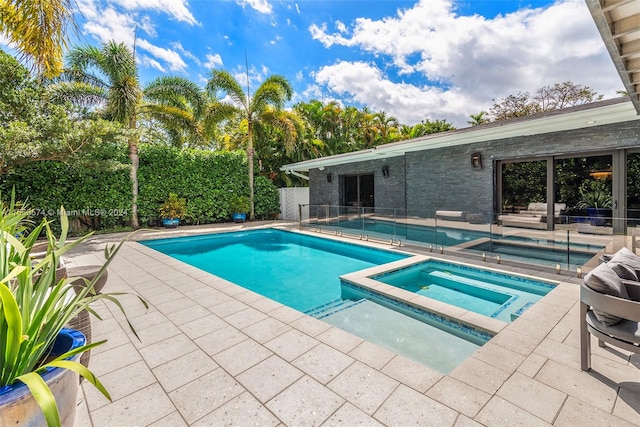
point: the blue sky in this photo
(415, 60)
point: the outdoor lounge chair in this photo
(610, 306)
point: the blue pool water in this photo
(438, 236)
(493, 294)
(517, 248)
(303, 272)
(548, 255)
(299, 271)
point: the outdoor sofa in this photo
(610, 305)
(535, 216)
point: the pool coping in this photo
(363, 279)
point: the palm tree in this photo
(478, 119)
(179, 105)
(108, 75)
(386, 126)
(38, 30)
(258, 109)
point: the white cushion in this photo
(626, 264)
(604, 280)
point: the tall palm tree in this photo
(257, 109)
(38, 28)
(180, 106)
(108, 75)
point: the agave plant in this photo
(34, 306)
(594, 194)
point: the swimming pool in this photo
(548, 255)
(516, 248)
(443, 236)
(303, 272)
(487, 292)
(296, 270)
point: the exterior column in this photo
(551, 179)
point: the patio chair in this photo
(609, 310)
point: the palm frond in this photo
(39, 30)
(77, 93)
(223, 81)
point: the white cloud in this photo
(463, 62)
(341, 27)
(364, 83)
(170, 57)
(178, 9)
(213, 61)
(112, 23)
(150, 62)
(178, 46)
(108, 24)
(262, 6)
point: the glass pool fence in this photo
(567, 244)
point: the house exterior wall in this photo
(444, 179)
(389, 191)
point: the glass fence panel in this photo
(575, 241)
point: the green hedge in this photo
(97, 191)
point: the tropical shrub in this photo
(239, 204)
(266, 198)
(97, 191)
(173, 207)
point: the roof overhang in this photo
(596, 114)
(618, 22)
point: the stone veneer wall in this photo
(443, 178)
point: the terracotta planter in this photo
(19, 408)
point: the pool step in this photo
(332, 307)
(521, 310)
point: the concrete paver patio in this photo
(213, 353)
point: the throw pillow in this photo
(604, 280)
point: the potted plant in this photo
(173, 210)
(595, 197)
(239, 206)
(38, 355)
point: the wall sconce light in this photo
(476, 161)
(329, 177)
(385, 171)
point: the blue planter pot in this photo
(239, 217)
(597, 216)
(19, 408)
(171, 222)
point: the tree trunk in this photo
(135, 161)
(250, 161)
